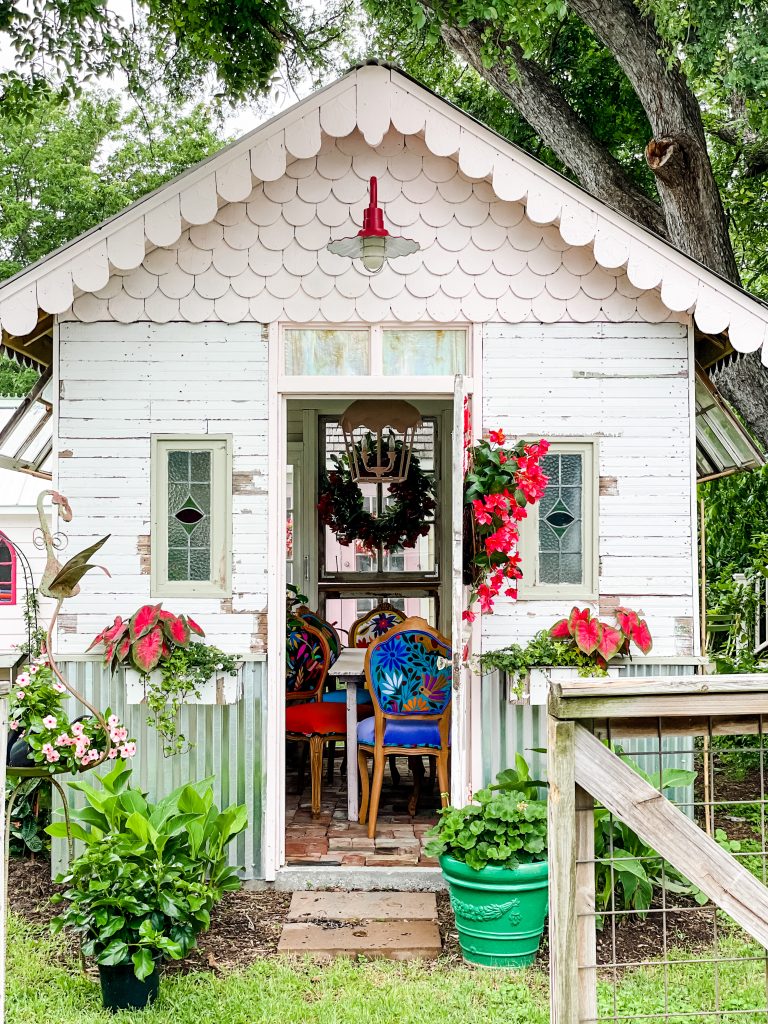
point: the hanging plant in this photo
(499, 483)
(342, 508)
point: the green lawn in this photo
(45, 986)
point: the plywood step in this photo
(395, 925)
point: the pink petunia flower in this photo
(52, 756)
(112, 753)
(63, 740)
(128, 750)
(14, 724)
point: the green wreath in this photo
(342, 509)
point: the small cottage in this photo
(207, 345)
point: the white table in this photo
(350, 667)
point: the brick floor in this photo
(331, 839)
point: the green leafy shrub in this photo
(504, 826)
(144, 888)
(31, 814)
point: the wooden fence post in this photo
(586, 936)
(563, 962)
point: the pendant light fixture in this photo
(373, 245)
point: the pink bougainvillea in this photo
(500, 483)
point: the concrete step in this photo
(395, 925)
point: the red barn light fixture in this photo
(373, 244)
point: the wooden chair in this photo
(316, 620)
(307, 718)
(409, 674)
(373, 624)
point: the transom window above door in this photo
(374, 351)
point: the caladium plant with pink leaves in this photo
(146, 639)
(600, 639)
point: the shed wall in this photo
(627, 385)
(119, 385)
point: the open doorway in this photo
(350, 586)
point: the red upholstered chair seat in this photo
(316, 719)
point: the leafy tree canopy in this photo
(176, 43)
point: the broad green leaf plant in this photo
(143, 889)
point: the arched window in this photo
(7, 571)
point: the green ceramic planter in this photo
(499, 913)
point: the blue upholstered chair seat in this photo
(340, 696)
(401, 733)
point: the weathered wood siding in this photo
(119, 385)
(627, 385)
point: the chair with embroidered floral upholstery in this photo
(307, 718)
(328, 630)
(408, 671)
(373, 624)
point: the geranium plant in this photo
(38, 717)
(153, 638)
(499, 484)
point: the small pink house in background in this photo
(205, 342)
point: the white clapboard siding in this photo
(641, 419)
(120, 384)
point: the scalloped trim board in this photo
(371, 99)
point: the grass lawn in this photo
(44, 985)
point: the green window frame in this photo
(534, 585)
(201, 465)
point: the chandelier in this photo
(382, 455)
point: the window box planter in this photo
(536, 685)
(499, 911)
(221, 688)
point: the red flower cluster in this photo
(500, 484)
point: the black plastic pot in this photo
(122, 990)
(20, 754)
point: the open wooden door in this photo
(461, 632)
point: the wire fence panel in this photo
(672, 912)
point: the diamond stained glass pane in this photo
(561, 521)
(189, 515)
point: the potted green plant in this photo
(493, 854)
(166, 668)
(580, 644)
(143, 889)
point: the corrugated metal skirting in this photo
(509, 729)
(228, 744)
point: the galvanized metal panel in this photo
(509, 729)
(228, 743)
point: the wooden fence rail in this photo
(583, 769)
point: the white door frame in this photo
(280, 390)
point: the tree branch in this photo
(689, 195)
(540, 102)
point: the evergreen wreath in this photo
(342, 509)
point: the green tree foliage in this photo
(173, 43)
(66, 167)
(723, 49)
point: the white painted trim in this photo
(409, 387)
(695, 577)
(475, 366)
(273, 764)
(460, 709)
(309, 511)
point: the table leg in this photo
(352, 781)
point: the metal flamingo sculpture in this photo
(61, 582)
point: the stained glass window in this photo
(189, 515)
(7, 572)
(561, 520)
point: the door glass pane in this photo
(424, 352)
(189, 515)
(561, 535)
(330, 353)
(342, 611)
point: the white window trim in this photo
(220, 584)
(530, 589)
